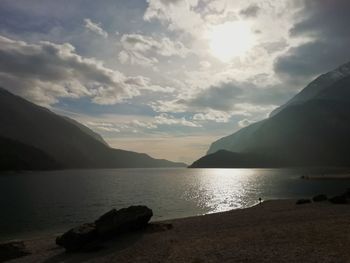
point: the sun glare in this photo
(230, 40)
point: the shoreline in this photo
(274, 231)
(326, 177)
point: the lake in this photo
(36, 203)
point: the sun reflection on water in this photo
(218, 190)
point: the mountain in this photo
(227, 159)
(66, 141)
(18, 156)
(317, 86)
(86, 130)
(312, 129)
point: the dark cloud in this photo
(250, 11)
(223, 97)
(218, 97)
(326, 22)
(311, 59)
(324, 18)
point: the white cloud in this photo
(95, 27)
(168, 106)
(178, 15)
(143, 124)
(244, 123)
(212, 115)
(144, 83)
(140, 49)
(45, 72)
(204, 64)
(125, 125)
(166, 119)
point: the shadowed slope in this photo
(68, 142)
(312, 131)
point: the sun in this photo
(230, 40)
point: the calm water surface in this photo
(50, 202)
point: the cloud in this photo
(274, 46)
(45, 72)
(125, 125)
(204, 64)
(217, 97)
(166, 119)
(95, 27)
(144, 83)
(324, 27)
(174, 106)
(244, 123)
(140, 49)
(102, 126)
(250, 11)
(226, 95)
(177, 14)
(213, 115)
(143, 124)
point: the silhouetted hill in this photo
(18, 156)
(69, 143)
(314, 131)
(227, 159)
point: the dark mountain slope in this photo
(317, 86)
(18, 156)
(65, 140)
(310, 133)
(227, 159)
(86, 130)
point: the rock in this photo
(320, 198)
(347, 193)
(124, 220)
(88, 237)
(303, 201)
(78, 238)
(340, 199)
(12, 250)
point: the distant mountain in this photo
(227, 159)
(312, 129)
(66, 141)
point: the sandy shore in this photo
(275, 231)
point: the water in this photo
(50, 202)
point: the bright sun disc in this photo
(231, 39)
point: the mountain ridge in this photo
(70, 143)
(309, 132)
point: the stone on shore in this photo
(77, 238)
(111, 224)
(320, 198)
(303, 201)
(124, 220)
(340, 199)
(12, 250)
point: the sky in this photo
(168, 77)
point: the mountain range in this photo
(312, 129)
(33, 137)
